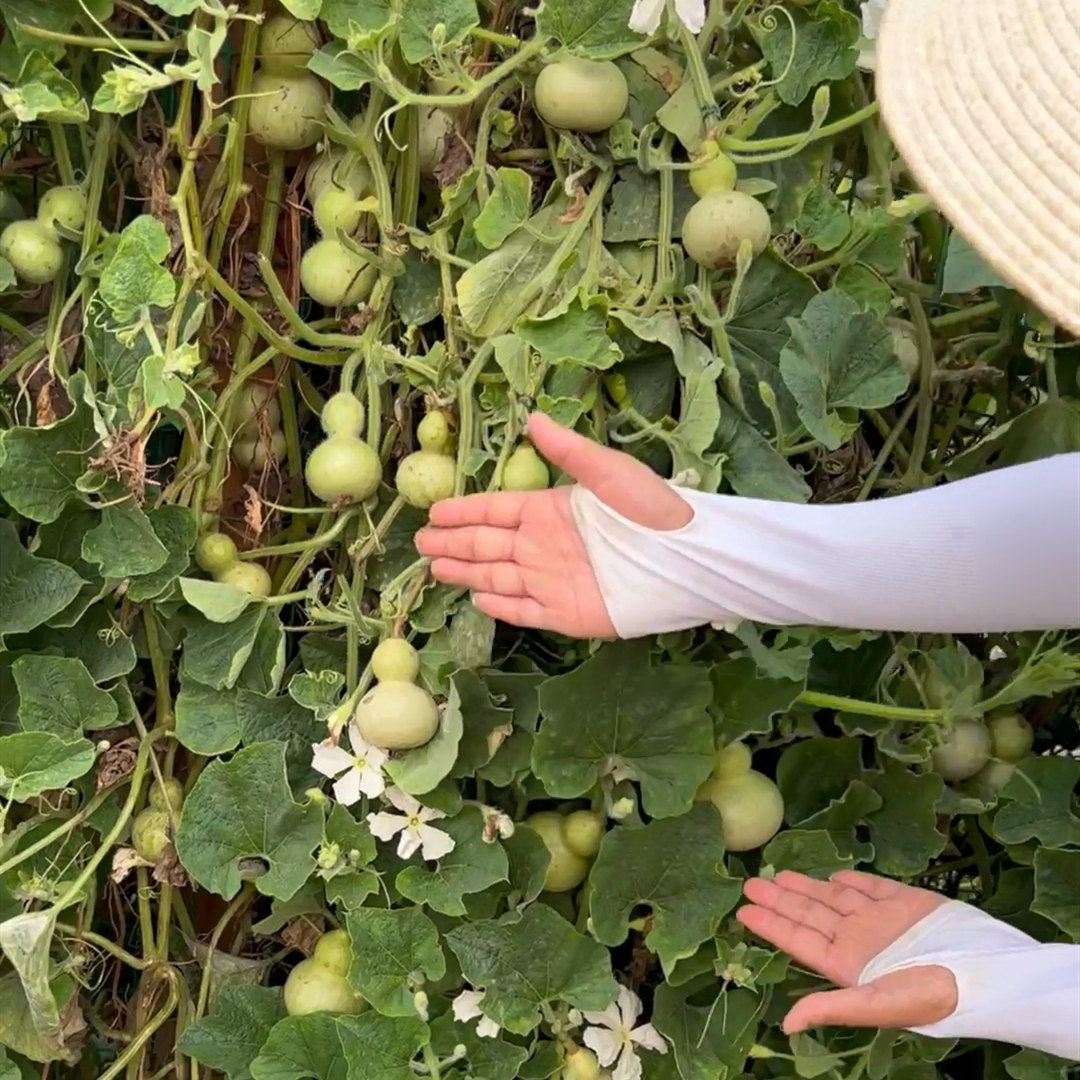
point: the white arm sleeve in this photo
(997, 552)
(1010, 988)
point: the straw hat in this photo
(982, 98)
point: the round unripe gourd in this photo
(963, 752)
(253, 453)
(903, 341)
(718, 173)
(311, 987)
(732, 761)
(258, 404)
(334, 209)
(395, 660)
(343, 467)
(581, 95)
(995, 774)
(525, 471)
(333, 951)
(286, 44)
(150, 834)
(433, 433)
(1011, 737)
(716, 225)
(329, 170)
(287, 111)
(63, 206)
(581, 1064)
(249, 577)
(582, 832)
(435, 129)
(343, 414)
(334, 276)
(751, 809)
(171, 796)
(33, 251)
(215, 553)
(397, 716)
(566, 870)
(425, 478)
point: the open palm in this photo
(520, 552)
(836, 928)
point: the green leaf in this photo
(40, 467)
(488, 1059)
(812, 1058)
(394, 951)
(809, 851)
(39, 761)
(811, 773)
(842, 817)
(42, 93)
(1038, 801)
(302, 1046)
(174, 526)
(215, 653)
(824, 47)
(617, 711)
(420, 771)
(508, 206)
(525, 962)
(381, 1047)
(32, 590)
(674, 866)
(229, 1039)
(17, 1031)
(746, 702)
(57, 694)
(215, 601)
(594, 28)
(752, 466)
(480, 718)
(471, 867)
(823, 220)
(866, 288)
(711, 1039)
(133, 279)
(206, 721)
(966, 270)
(1035, 1065)
(124, 544)
(573, 332)
(840, 358)
(529, 860)
(7, 275)
(1057, 885)
(345, 16)
(418, 17)
(240, 816)
(904, 831)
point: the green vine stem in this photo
(147, 1030)
(871, 708)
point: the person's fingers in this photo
(625, 484)
(501, 509)
(911, 998)
(808, 946)
(877, 888)
(501, 578)
(515, 610)
(472, 543)
(832, 894)
(792, 905)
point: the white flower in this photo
(357, 773)
(467, 1007)
(645, 18)
(872, 11)
(614, 1037)
(412, 824)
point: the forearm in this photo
(1010, 988)
(998, 552)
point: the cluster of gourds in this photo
(259, 440)
(32, 245)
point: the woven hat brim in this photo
(982, 98)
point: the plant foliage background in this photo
(528, 268)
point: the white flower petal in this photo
(629, 1007)
(648, 1037)
(628, 1068)
(609, 1018)
(409, 844)
(371, 781)
(405, 803)
(603, 1043)
(436, 843)
(487, 1029)
(645, 18)
(466, 1005)
(691, 14)
(328, 759)
(347, 789)
(385, 826)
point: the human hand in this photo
(836, 928)
(520, 552)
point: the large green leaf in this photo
(1038, 803)
(38, 761)
(32, 590)
(229, 1039)
(57, 694)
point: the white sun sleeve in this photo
(1010, 987)
(994, 553)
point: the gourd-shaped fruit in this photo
(1011, 737)
(525, 470)
(580, 94)
(715, 170)
(215, 553)
(750, 804)
(565, 870)
(248, 576)
(63, 206)
(33, 251)
(150, 834)
(287, 111)
(716, 225)
(343, 414)
(963, 752)
(311, 987)
(396, 714)
(582, 832)
(172, 795)
(343, 466)
(427, 475)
